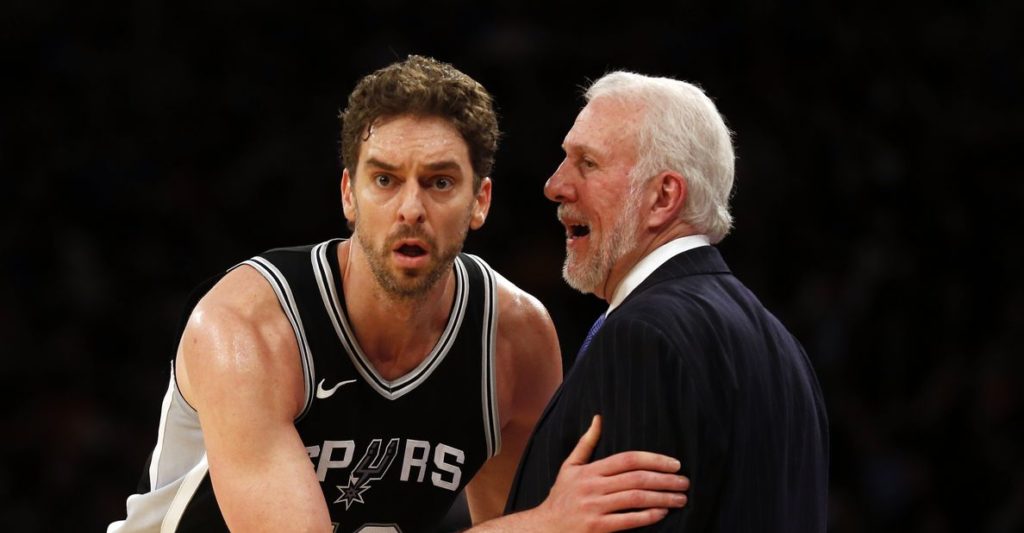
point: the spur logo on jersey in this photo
(443, 464)
(371, 467)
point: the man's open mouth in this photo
(578, 230)
(411, 250)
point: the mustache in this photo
(566, 211)
(409, 232)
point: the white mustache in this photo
(565, 211)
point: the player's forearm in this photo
(280, 523)
(275, 490)
(263, 507)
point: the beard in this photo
(406, 284)
(586, 272)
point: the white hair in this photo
(681, 130)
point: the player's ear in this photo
(481, 204)
(348, 203)
(669, 191)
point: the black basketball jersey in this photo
(390, 455)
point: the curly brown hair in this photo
(422, 86)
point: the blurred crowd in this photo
(147, 145)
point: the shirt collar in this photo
(646, 266)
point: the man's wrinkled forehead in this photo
(604, 125)
(430, 141)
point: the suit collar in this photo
(701, 260)
(649, 263)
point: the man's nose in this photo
(559, 186)
(410, 208)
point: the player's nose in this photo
(410, 207)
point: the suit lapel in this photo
(700, 260)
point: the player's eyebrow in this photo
(438, 166)
(447, 164)
(374, 162)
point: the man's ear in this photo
(669, 189)
(348, 203)
(481, 204)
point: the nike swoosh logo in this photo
(323, 393)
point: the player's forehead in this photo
(417, 140)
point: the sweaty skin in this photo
(412, 201)
(238, 361)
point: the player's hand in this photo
(624, 491)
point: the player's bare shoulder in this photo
(527, 346)
(518, 309)
(238, 338)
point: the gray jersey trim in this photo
(177, 455)
(389, 389)
(165, 407)
(179, 463)
(184, 495)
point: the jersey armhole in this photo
(489, 390)
(288, 304)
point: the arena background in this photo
(147, 145)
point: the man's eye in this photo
(589, 163)
(382, 180)
(443, 183)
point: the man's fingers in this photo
(627, 461)
(646, 480)
(585, 447)
(621, 521)
(641, 499)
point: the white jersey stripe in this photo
(185, 492)
(390, 389)
(488, 390)
(179, 448)
(154, 462)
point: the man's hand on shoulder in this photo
(624, 491)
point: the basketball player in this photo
(360, 385)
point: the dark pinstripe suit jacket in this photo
(693, 366)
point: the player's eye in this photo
(588, 163)
(382, 180)
(443, 183)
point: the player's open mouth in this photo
(411, 253)
(411, 250)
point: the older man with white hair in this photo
(686, 361)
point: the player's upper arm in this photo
(238, 365)
(531, 357)
(529, 369)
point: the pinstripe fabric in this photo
(692, 365)
(590, 334)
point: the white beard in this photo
(591, 271)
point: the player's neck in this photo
(396, 334)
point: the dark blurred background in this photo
(147, 145)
